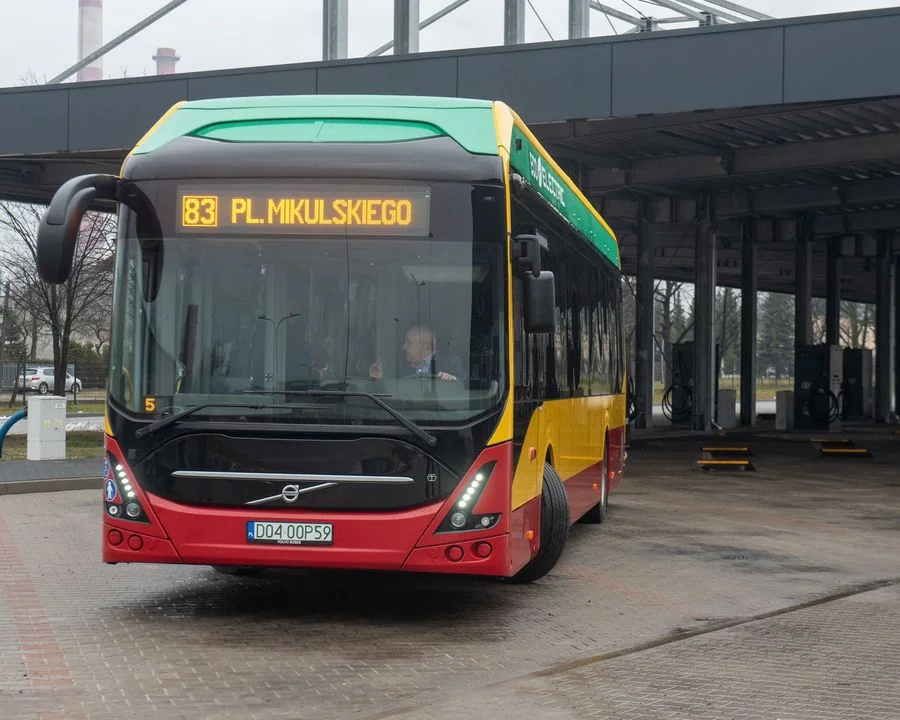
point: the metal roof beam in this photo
(773, 201)
(767, 159)
(618, 14)
(678, 7)
(858, 222)
(579, 19)
(334, 29)
(749, 12)
(513, 22)
(678, 234)
(625, 127)
(872, 192)
(422, 25)
(714, 11)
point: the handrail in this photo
(10, 421)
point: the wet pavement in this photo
(767, 594)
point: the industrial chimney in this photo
(165, 61)
(90, 37)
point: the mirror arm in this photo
(100, 187)
(149, 229)
(529, 252)
(59, 225)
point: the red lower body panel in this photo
(524, 534)
(401, 540)
(121, 545)
(617, 453)
(363, 541)
(374, 541)
(583, 490)
(486, 556)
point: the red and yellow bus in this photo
(352, 332)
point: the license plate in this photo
(289, 533)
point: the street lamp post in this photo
(276, 327)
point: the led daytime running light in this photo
(127, 492)
(466, 501)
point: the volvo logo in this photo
(290, 493)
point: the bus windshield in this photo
(275, 317)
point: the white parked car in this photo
(40, 379)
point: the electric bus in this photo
(363, 332)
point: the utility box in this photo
(46, 428)
(784, 410)
(857, 383)
(818, 376)
(680, 395)
(727, 415)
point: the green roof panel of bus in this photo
(331, 118)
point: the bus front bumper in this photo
(360, 540)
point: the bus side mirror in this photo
(59, 226)
(540, 303)
(528, 252)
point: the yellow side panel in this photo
(527, 477)
(502, 121)
(574, 431)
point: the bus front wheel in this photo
(554, 529)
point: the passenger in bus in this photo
(420, 348)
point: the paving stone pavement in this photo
(685, 560)
(835, 660)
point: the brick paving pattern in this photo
(683, 552)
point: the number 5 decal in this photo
(150, 404)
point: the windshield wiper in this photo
(175, 417)
(426, 437)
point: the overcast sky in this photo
(40, 35)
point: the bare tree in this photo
(60, 308)
(819, 331)
(96, 324)
(669, 323)
(858, 323)
(30, 78)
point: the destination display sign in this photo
(304, 210)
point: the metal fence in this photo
(91, 376)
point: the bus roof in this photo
(481, 127)
(329, 118)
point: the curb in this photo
(19, 487)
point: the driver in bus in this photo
(419, 346)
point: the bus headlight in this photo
(119, 495)
(461, 516)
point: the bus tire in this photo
(597, 514)
(554, 529)
(239, 570)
